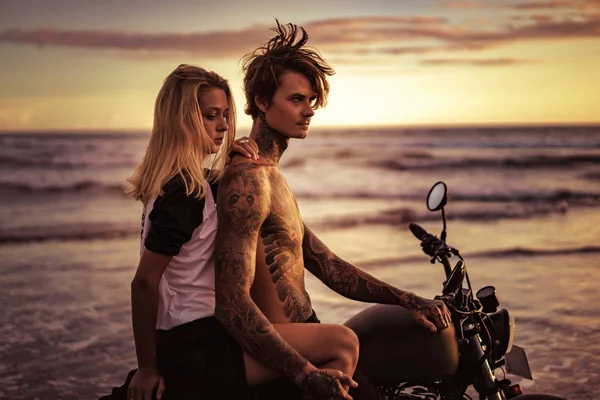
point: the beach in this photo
(523, 209)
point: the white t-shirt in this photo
(184, 228)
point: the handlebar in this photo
(432, 246)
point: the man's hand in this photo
(326, 383)
(430, 245)
(424, 311)
(143, 383)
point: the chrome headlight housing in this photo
(503, 333)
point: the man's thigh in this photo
(318, 343)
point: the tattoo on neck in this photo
(271, 143)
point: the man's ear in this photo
(261, 104)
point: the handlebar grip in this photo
(432, 246)
(419, 232)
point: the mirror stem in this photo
(443, 235)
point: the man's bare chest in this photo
(282, 232)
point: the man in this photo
(263, 246)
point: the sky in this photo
(98, 65)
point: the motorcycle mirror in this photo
(437, 197)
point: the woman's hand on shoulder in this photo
(245, 146)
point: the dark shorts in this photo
(198, 360)
(201, 360)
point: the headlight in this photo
(503, 332)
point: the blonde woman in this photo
(172, 293)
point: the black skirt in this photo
(198, 360)
(201, 360)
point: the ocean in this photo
(524, 210)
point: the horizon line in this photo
(325, 127)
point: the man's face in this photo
(291, 108)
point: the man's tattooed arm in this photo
(345, 278)
(354, 283)
(243, 205)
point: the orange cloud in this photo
(536, 5)
(463, 5)
(542, 18)
(405, 50)
(217, 44)
(343, 35)
(492, 62)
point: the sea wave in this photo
(52, 187)
(560, 325)
(71, 232)
(592, 176)
(404, 215)
(537, 161)
(13, 161)
(492, 253)
(558, 196)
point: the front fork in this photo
(486, 379)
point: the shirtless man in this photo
(263, 247)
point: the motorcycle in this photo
(445, 364)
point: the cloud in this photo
(586, 27)
(491, 62)
(522, 5)
(409, 50)
(383, 35)
(538, 5)
(357, 22)
(542, 17)
(230, 43)
(463, 5)
(216, 44)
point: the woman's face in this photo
(215, 116)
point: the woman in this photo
(194, 127)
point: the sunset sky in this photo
(83, 64)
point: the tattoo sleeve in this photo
(243, 205)
(347, 279)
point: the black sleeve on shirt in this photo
(173, 219)
(214, 187)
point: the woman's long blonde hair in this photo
(179, 144)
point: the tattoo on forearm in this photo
(242, 209)
(345, 278)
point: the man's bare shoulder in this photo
(243, 166)
(238, 159)
(243, 198)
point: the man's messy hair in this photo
(264, 67)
